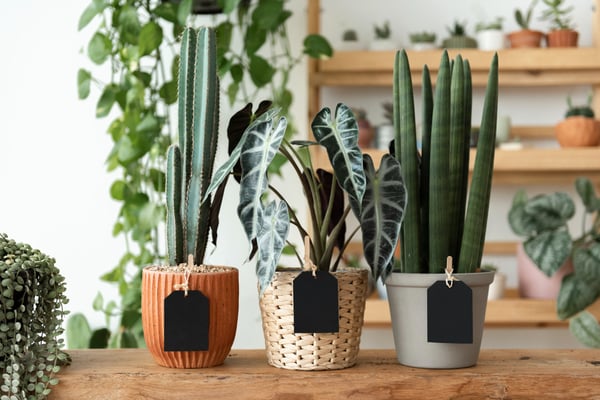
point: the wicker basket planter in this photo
(316, 351)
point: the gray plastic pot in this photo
(407, 296)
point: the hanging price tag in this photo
(449, 313)
(186, 321)
(316, 303)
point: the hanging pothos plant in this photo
(134, 50)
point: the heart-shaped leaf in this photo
(549, 250)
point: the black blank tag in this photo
(449, 313)
(186, 321)
(316, 303)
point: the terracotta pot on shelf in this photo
(525, 38)
(222, 290)
(578, 131)
(562, 38)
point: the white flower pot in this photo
(491, 39)
(423, 46)
(382, 45)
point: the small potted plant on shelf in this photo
(350, 41)
(31, 318)
(383, 38)
(543, 221)
(580, 127)
(366, 132)
(490, 35)
(525, 37)
(458, 38)
(189, 309)
(562, 31)
(438, 295)
(422, 40)
(312, 316)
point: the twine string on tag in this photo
(308, 264)
(449, 277)
(186, 276)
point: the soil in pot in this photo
(219, 284)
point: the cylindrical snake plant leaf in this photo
(407, 153)
(481, 184)
(426, 116)
(383, 210)
(438, 170)
(340, 139)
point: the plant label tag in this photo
(316, 303)
(186, 321)
(449, 313)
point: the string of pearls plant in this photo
(32, 296)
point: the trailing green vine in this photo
(135, 43)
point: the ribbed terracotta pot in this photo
(313, 351)
(525, 38)
(407, 296)
(222, 290)
(562, 38)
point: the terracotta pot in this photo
(313, 351)
(222, 290)
(366, 134)
(533, 283)
(562, 38)
(525, 38)
(578, 131)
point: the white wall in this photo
(54, 191)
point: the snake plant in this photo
(438, 221)
(190, 162)
(376, 197)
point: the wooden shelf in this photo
(509, 312)
(524, 374)
(517, 67)
(527, 166)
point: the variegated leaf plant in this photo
(377, 197)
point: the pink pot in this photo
(533, 283)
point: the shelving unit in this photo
(518, 68)
(541, 67)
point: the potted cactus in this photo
(189, 309)
(376, 198)
(458, 38)
(525, 37)
(440, 229)
(383, 38)
(562, 31)
(580, 127)
(543, 221)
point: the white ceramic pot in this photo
(382, 45)
(407, 296)
(423, 46)
(497, 287)
(489, 40)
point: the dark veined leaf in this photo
(586, 261)
(383, 211)
(549, 250)
(99, 48)
(261, 144)
(574, 296)
(316, 46)
(586, 191)
(340, 139)
(150, 38)
(271, 241)
(84, 79)
(586, 329)
(325, 183)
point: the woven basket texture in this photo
(316, 351)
